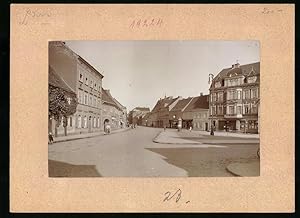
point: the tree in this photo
(62, 104)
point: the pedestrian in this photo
(190, 128)
(50, 138)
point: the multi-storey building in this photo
(160, 113)
(136, 115)
(113, 113)
(234, 98)
(196, 114)
(86, 81)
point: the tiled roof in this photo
(57, 81)
(108, 99)
(142, 109)
(164, 102)
(181, 104)
(199, 102)
(244, 69)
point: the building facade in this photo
(234, 99)
(161, 112)
(137, 114)
(112, 113)
(196, 113)
(86, 81)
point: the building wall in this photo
(86, 83)
(199, 118)
(234, 106)
(64, 62)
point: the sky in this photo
(138, 73)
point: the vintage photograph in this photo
(155, 108)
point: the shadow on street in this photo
(61, 169)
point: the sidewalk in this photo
(170, 136)
(245, 169)
(86, 135)
(230, 134)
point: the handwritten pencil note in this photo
(174, 196)
(146, 23)
(37, 16)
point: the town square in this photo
(145, 109)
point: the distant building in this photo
(176, 113)
(234, 98)
(160, 113)
(196, 113)
(113, 112)
(86, 82)
(136, 115)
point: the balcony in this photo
(233, 116)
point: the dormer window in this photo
(251, 79)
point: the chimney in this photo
(201, 93)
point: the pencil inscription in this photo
(35, 14)
(144, 23)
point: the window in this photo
(91, 84)
(86, 81)
(214, 110)
(79, 122)
(246, 94)
(80, 76)
(220, 108)
(246, 109)
(94, 122)
(95, 86)
(85, 99)
(254, 93)
(254, 109)
(70, 121)
(214, 97)
(239, 109)
(95, 104)
(98, 122)
(238, 94)
(85, 122)
(231, 109)
(90, 101)
(231, 95)
(220, 96)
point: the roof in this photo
(142, 108)
(56, 80)
(107, 98)
(61, 43)
(164, 102)
(89, 65)
(199, 102)
(181, 104)
(253, 68)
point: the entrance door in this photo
(206, 126)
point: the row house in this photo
(86, 82)
(196, 113)
(160, 113)
(137, 114)
(234, 98)
(192, 111)
(113, 113)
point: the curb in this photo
(238, 174)
(92, 136)
(170, 143)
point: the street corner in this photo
(172, 137)
(249, 169)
